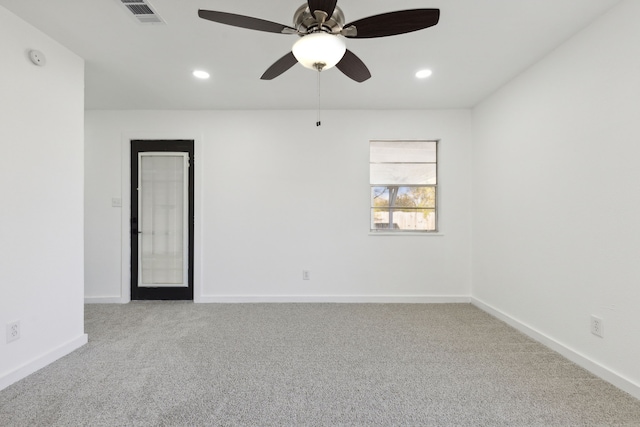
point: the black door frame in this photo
(160, 293)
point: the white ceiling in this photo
(478, 46)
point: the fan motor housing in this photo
(305, 22)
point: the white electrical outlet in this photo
(306, 275)
(597, 326)
(13, 331)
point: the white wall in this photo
(556, 231)
(41, 214)
(309, 188)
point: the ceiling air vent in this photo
(142, 11)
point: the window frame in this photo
(397, 231)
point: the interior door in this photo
(162, 220)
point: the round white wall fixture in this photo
(37, 57)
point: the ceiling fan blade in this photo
(352, 67)
(326, 6)
(280, 66)
(392, 23)
(245, 22)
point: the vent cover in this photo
(142, 11)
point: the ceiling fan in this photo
(320, 23)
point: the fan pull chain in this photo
(318, 122)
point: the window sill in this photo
(406, 233)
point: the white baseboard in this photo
(104, 300)
(40, 362)
(357, 299)
(573, 355)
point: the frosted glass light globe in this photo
(319, 48)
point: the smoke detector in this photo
(37, 57)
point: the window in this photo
(403, 179)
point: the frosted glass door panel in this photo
(162, 204)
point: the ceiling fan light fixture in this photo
(319, 51)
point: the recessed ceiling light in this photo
(423, 74)
(201, 74)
